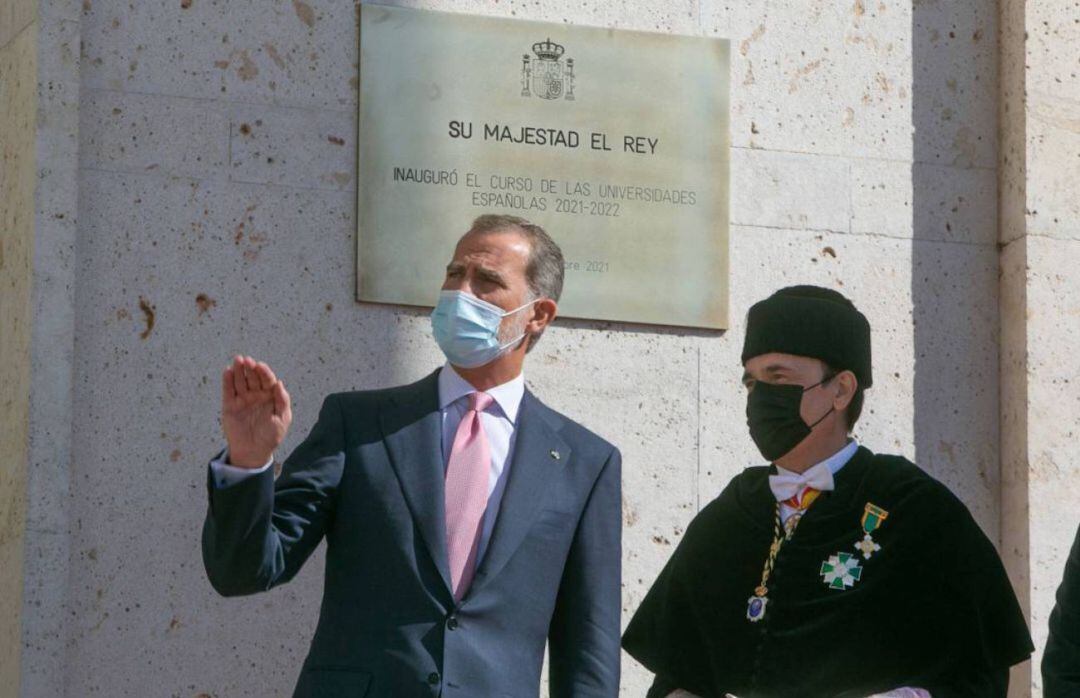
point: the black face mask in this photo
(772, 413)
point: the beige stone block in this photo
(18, 102)
(677, 17)
(11, 596)
(1053, 162)
(296, 147)
(70, 10)
(1053, 323)
(15, 17)
(1052, 120)
(1015, 509)
(954, 204)
(790, 190)
(818, 77)
(882, 197)
(299, 53)
(56, 206)
(55, 82)
(1051, 27)
(1041, 483)
(147, 133)
(956, 371)
(954, 73)
(927, 202)
(57, 122)
(18, 177)
(1012, 145)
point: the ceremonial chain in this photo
(755, 609)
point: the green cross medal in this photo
(872, 519)
(841, 571)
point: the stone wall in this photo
(209, 152)
(40, 101)
(1040, 291)
(18, 108)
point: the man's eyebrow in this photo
(491, 275)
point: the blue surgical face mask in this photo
(467, 329)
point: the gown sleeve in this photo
(1061, 662)
(664, 634)
(985, 626)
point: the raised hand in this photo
(255, 412)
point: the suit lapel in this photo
(539, 456)
(412, 431)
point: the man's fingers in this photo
(246, 376)
(250, 378)
(266, 376)
(239, 383)
(228, 388)
(282, 406)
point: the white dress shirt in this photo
(834, 463)
(499, 423)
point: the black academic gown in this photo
(1061, 662)
(933, 609)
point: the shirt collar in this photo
(834, 462)
(452, 387)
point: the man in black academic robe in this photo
(1061, 661)
(871, 578)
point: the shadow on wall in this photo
(954, 250)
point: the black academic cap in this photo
(811, 321)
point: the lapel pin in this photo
(555, 454)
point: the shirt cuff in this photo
(225, 475)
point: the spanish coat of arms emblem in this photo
(546, 74)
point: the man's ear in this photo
(846, 384)
(544, 312)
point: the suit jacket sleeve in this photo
(258, 532)
(584, 636)
(1061, 662)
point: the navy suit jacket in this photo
(369, 478)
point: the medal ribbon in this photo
(873, 517)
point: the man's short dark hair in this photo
(545, 269)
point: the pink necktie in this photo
(467, 493)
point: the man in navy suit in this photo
(466, 522)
